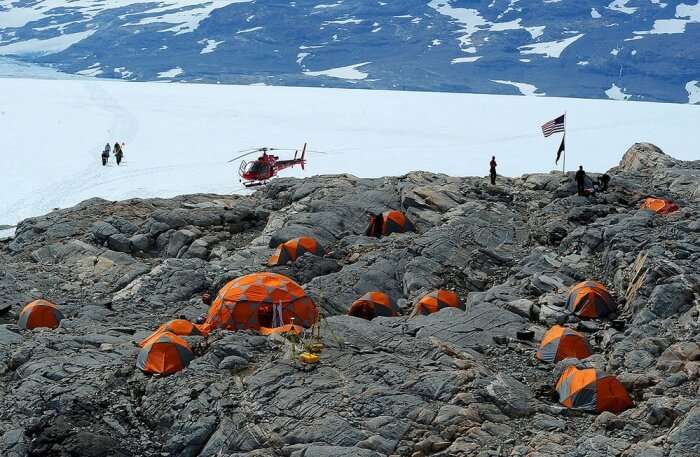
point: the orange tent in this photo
(295, 248)
(180, 327)
(296, 329)
(39, 313)
(166, 354)
(560, 343)
(389, 222)
(592, 390)
(260, 300)
(590, 299)
(437, 300)
(659, 205)
(371, 305)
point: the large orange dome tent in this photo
(295, 248)
(260, 300)
(371, 305)
(435, 301)
(388, 222)
(592, 390)
(590, 299)
(39, 313)
(560, 343)
(165, 354)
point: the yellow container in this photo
(307, 357)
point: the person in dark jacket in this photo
(492, 171)
(376, 223)
(604, 181)
(118, 153)
(105, 154)
(580, 180)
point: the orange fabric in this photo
(293, 249)
(659, 205)
(552, 334)
(372, 304)
(573, 345)
(296, 329)
(612, 395)
(181, 327)
(163, 356)
(435, 301)
(40, 313)
(250, 301)
(590, 299)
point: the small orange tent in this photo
(166, 354)
(592, 390)
(289, 328)
(260, 300)
(39, 313)
(293, 249)
(437, 300)
(179, 327)
(590, 299)
(560, 343)
(659, 205)
(371, 305)
(387, 223)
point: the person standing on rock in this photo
(604, 181)
(492, 171)
(105, 154)
(580, 180)
(118, 153)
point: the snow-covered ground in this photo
(179, 137)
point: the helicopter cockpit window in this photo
(256, 167)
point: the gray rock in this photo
(685, 438)
(102, 231)
(119, 243)
(177, 241)
(141, 242)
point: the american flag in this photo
(557, 125)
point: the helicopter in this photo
(259, 171)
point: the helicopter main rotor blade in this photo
(244, 155)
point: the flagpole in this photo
(563, 165)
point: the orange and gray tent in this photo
(590, 299)
(293, 249)
(560, 343)
(179, 327)
(260, 300)
(389, 222)
(659, 205)
(166, 354)
(437, 300)
(39, 313)
(592, 390)
(371, 305)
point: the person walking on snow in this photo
(580, 180)
(492, 171)
(105, 154)
(118, 153)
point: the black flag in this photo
(561, 149)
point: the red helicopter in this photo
(258, 172)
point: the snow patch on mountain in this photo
(621, 6)
(549, 48)
(693, 88)
(43, 47)
(685, 14)
(172, 73)
(466, 59)
(209, 46)
(524, 88)
(616, 93)
(350, 72)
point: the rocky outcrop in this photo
(454, 383)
